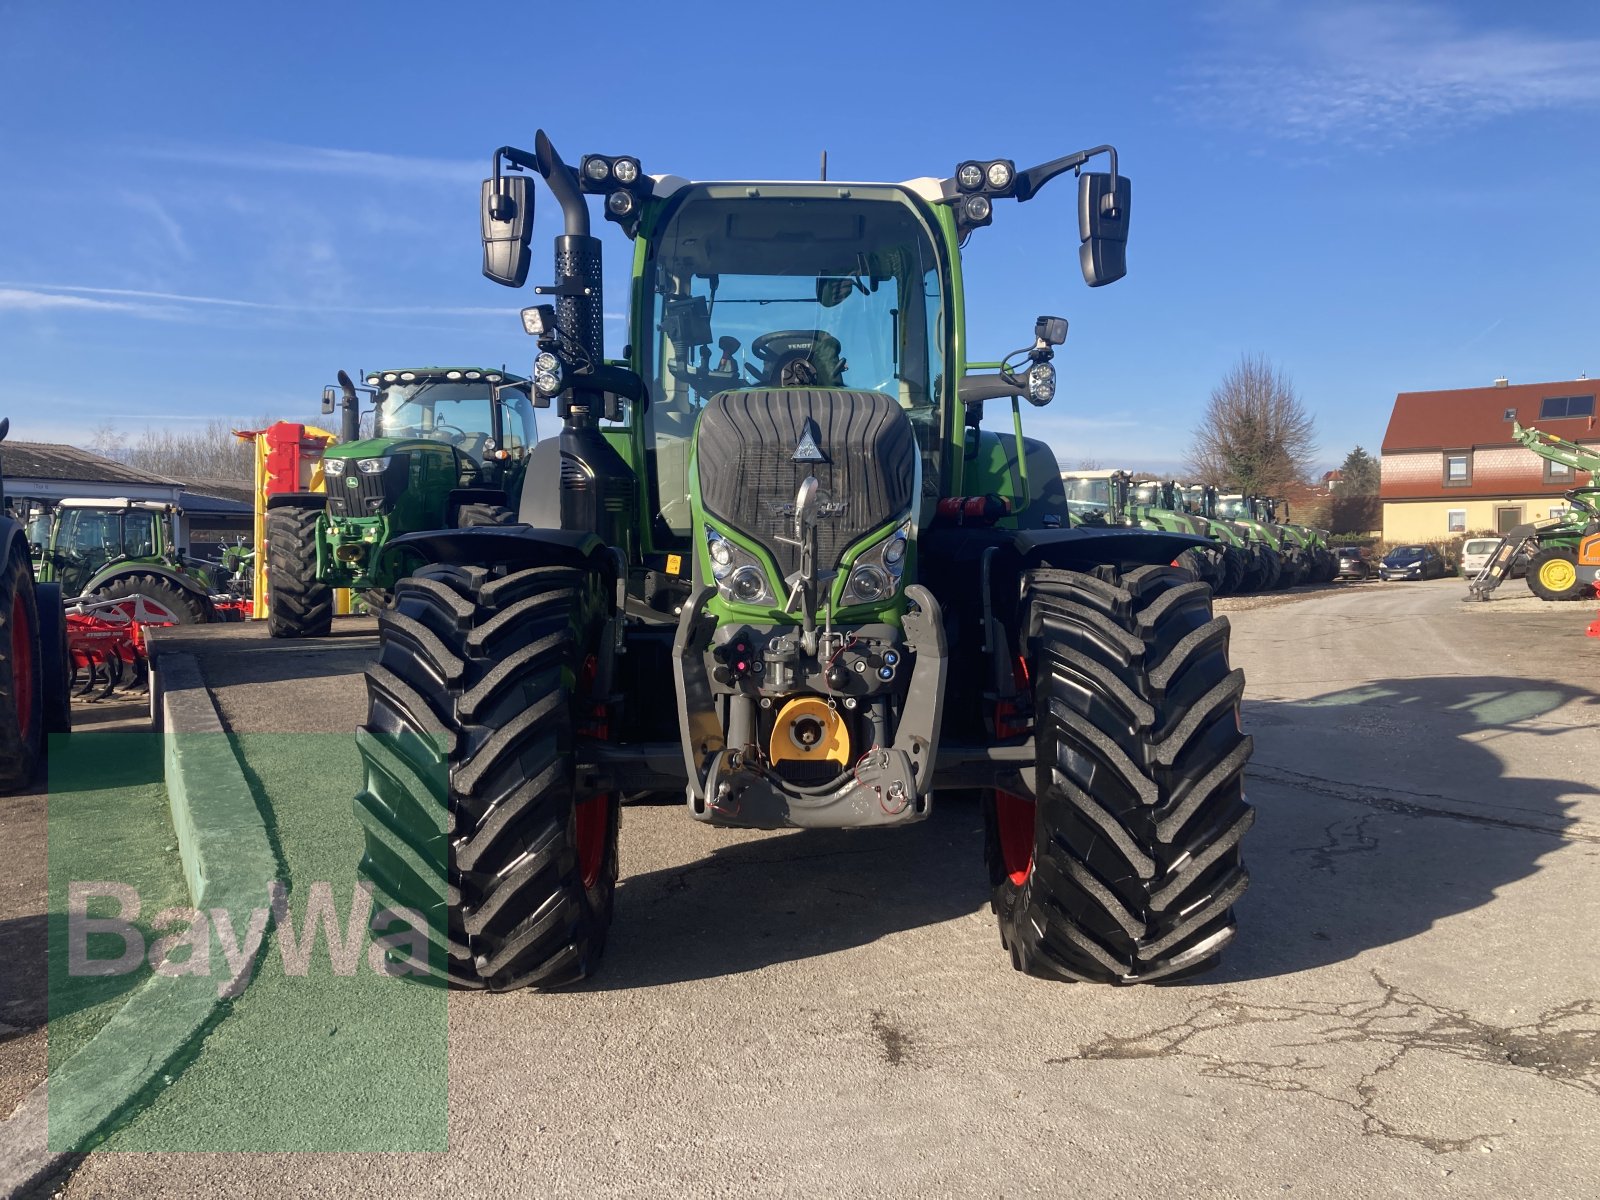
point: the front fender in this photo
(514, 546)
(132, 567)
(1086, 547)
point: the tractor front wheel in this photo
(1553, 575)
(22, 684)
(186, 606)
(1234, 570)
(298, 603)
(1125, 865)
(472, 812)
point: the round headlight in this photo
(373, 380)
(1042, 383)
(546, 384)
(867, 583)
(970, 177)
(407, 376)
(721, 553)
(748, 584)
(977, 208)
(999, 175)
(625, 170)
(895, 552)
(620, 203)
(390, 377)
(547, 362)
(596, 168)
(452, 375)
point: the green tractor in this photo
(1244, 561)
(1289, 563)
(1552, 544)
(1162, 504)
(113, 549)
(448, 448)
(780, 500)
(1322, 564)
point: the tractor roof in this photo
(116, 502)
(493, 374)
(927, 188)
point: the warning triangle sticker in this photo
(808, 450)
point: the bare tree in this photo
(1256, 436)
(105, 438)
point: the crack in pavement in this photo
(1394, 800)
(1561, 1048)
(1347, 836)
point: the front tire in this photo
(469, 516)
(1553, 575)
(186, 606)
(22, 685)
(1126, 867)
(472, 812)
(298, 603)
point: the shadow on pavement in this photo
(751, 904)
(1385, 808)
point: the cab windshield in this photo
(457, 412)
(1088, 498)
(788, 291)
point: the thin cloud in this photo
(319, 160)
(1381, 73)
(64, 295)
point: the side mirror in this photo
(330, 397)
(507, 218)
(1103, 227)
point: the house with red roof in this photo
(1451, 466)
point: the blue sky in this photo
(209, 209)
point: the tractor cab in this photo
(1095, 496)
(88, 535)
(433, 430)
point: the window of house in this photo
(1511, 414)
(1557, 511)
(1555, 472)
(1555, 408)
(1458, 469)
(1458, 520)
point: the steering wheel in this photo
(811, 356)
(455, 433)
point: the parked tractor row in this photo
(1247, 547)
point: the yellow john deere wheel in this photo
(1557, 574)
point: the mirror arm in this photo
(1030, 181)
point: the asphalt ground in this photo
(1412, 1006)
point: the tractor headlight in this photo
(970, 177)
(739, 575)
(374, 466)
(597, 167)
(1000, 175)
(547, 374)
(1041, 383)
(619, 203)
(625, 170)
(333, 467)
(875, 575)
(748, 585)
(977, 208)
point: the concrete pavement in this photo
(1411, 1006)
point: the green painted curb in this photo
(228, 863)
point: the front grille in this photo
(748, 476)
(372, 495)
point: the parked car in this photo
(1354, 563)
(1476, 553)
(1412, 562)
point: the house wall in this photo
(1429, 520)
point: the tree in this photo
(1255, 437)
(1360, 472)
(1355, 507)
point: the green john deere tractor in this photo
(110, 549)
(780, 499)
(448, 447)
